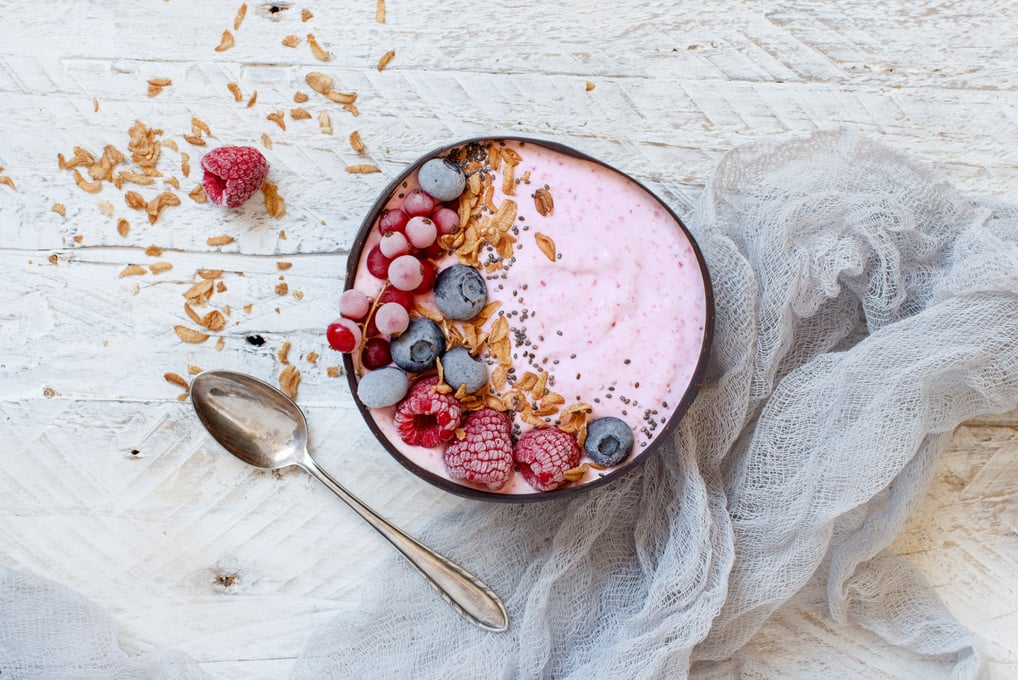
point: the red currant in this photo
(376, 354)
(378, 264)
(343, 335)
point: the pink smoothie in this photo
(617, 320)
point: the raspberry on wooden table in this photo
(233, 174)
(544, 454)
(485, 454)
(426, 417)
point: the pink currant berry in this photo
(353, 304)
(421, 231)
(406, 272)
(378, 263)
(446, 220)
(391, 319)
(402, 297)
(417, 203)
(392, 220)
(428, 282)
(343, 335)
(394, 244)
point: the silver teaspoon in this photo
(263, 427)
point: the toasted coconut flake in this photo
(193, 370)
(428, 313)
(386, 58)
(299, 97)
(194, 140)
(226, 42)
(283, 266)
(220, 344)
(299, 114)
(199, 293)
(154, 90)
(266, 141)
(319, 82)
(95, 104)
(253, 99)
(153, 251)
(175, 379)
(123, 227)
(509, 179)
(214, 320)
(510, 155)
(237, 20)
(90, 187)
(504, 218)
(191, 314)
(345, 98)
(198, 194)
(351, 107)
(277, 118)
(198, 125)
(526, 381)
(135, 178)
(160, 82)
(105, 207)
(282, 288)
(284, 352)
(59, 209)
(552, 399)
(333, 371)
(274, 203)
(325, 123)
(247, 308)
(380, 11)
(156, 205)
(575, 474)
(291, 41)
(590, 86)
(363, 169)
(132, 270)
(210, 274)
(134, 200)
(220, 286)
(219, 240)
(356, 143)
(173, 182)
(289, 380)
(306, 15)
(234, 89)
(316, 50)
(546, 245)
(190, 335)
(544, 202)
(312, 357)
(541, 386)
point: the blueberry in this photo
(416, 348)
(609, 441)
(441, 179)
(460, 292)
(382, 387)
(462, 369)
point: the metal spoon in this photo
(263, 427)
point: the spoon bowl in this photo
(265, 428)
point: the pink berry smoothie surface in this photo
(618, 319)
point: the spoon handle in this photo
(466, 593)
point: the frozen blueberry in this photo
(609, 441)
(460, 292)
(416, 348)
(383, 387)
(442, 179)
(462, 369)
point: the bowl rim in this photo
(695, 382)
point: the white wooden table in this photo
(107, 482)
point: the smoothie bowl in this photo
(522, 321)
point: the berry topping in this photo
(383, 387)
(376, 354)
(543, 455)
(609, 441)
(446, 220)
(378, 263)
(459, 368)
(392, 220)
(441, 178)
(415, 350)
(403, 297)
(418, 203)
(233, 174)
(428, 281)
(394, 244)
(406, 272)
(426, 417)
(421, 231)
(353, 304)
(460, 292)
(485, 455)
(391, 319)
(343, 335)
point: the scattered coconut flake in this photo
(59, 209)
(160, 267)
(363, 169)
(123, 227)
(316, 50)
(386, 58)
(237, 20)
(274, 203)
(234, 89)
(190, 335)
(219, 240)
(380, 11)
(291, 41)
(355, 142)
(289, 380)
(226, 42)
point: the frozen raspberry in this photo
(544, 454)
(426, 417)
(485, 455)
(233, 174)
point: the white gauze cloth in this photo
(864, 308)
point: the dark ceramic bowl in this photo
(661, 435)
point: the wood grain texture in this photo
(187, 547)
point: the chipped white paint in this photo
(191, 549)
